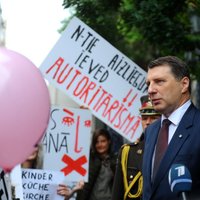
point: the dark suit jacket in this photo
(184, 148)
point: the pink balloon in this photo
(24, 108)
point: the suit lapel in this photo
(180, 136)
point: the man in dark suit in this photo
(169, 87)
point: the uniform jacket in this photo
(184, 148)
(134, 165)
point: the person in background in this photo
(128, 176)
(169, 88)
(102, 165)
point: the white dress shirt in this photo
(175, 118)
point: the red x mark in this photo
(74, 165)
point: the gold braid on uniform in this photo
(124, 159)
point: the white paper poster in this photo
(66, 144)
(95, 74)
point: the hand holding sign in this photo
(24, 105)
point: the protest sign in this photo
(95, 74)
(66, 143)
(41, 184)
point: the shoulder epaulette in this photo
(134, 143)
(126, 144)
(130, 144)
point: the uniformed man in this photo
(128, 179)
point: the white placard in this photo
(41, 184)
(66, 144)
(95, 74)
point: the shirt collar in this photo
(177, 115)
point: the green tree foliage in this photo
(146, 29)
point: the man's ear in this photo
(185, 84)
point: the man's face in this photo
(165, 91)
(148, 119)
